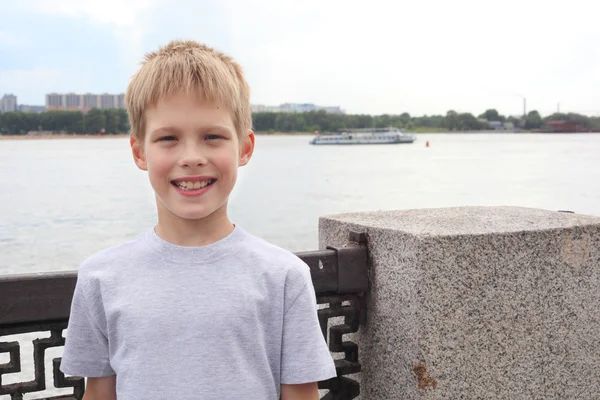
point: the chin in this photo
(194, 214)
(190, 212)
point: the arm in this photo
(86, 351)
(304, 391)
(305, 357)
(101, 388)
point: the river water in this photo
(63, 200)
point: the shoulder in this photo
(259, 252)
(107, 261)
(288, 270)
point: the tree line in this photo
(95, 121)
(452, 121)
(114, 121)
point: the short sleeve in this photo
(86, 350)
(305, 355)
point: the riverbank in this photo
(125, 135)
(60, 136)
(117, 136)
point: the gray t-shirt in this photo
(231, 320)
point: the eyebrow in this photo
(174, 130)
(217, 128)
(165, 129)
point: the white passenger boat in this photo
(365, 136)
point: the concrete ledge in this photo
(478, 303)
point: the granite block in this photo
(478, 303)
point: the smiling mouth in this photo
(189, 185)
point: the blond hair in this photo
(188, 67)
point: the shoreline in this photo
(61, 136)
(126, 135)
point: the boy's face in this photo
(191, 152)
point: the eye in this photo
(166, 138)
(213, 137)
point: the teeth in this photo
(189, 185)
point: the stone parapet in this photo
(478, 303)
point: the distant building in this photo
(496, 125)
(69, 101)
(73, 101)
(562, 127)
(120, 100)
(8, 103)
(333, 110)
(90, 101)
(84, 102)
(263, 108)
(296, 108)
(54, 101)
(107, 101)
(31, 109)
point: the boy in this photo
(195, 308)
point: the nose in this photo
(192, 156)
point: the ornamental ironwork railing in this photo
(40, 304)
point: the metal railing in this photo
(41, 303)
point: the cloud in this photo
(33, 76)
(423, 56)
(8, 39)
(29, 83)
(113, 12)
(126, 19)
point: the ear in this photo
(246, 147)
(139, 155)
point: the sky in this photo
(379, 56)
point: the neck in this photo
(187, 232)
